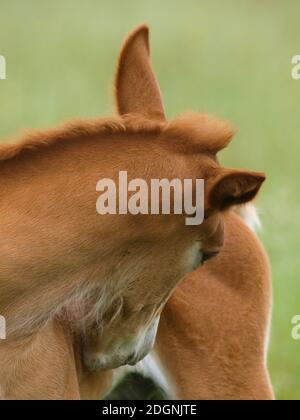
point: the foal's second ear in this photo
(137, 90)
(233, 187)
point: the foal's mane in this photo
(200, 131)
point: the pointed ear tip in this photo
(141, 30)
(261, 177)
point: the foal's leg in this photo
(213, 333)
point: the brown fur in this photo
(211, 341)
(191, 133)
(73, 283)
(213, 332)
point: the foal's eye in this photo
(209, 255)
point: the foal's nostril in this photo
(209, 255)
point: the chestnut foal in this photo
(81, 293)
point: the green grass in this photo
(232, 58)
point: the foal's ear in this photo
(233, 187)
(137, 90)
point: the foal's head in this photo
(158, 251)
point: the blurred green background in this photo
(231, 58)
